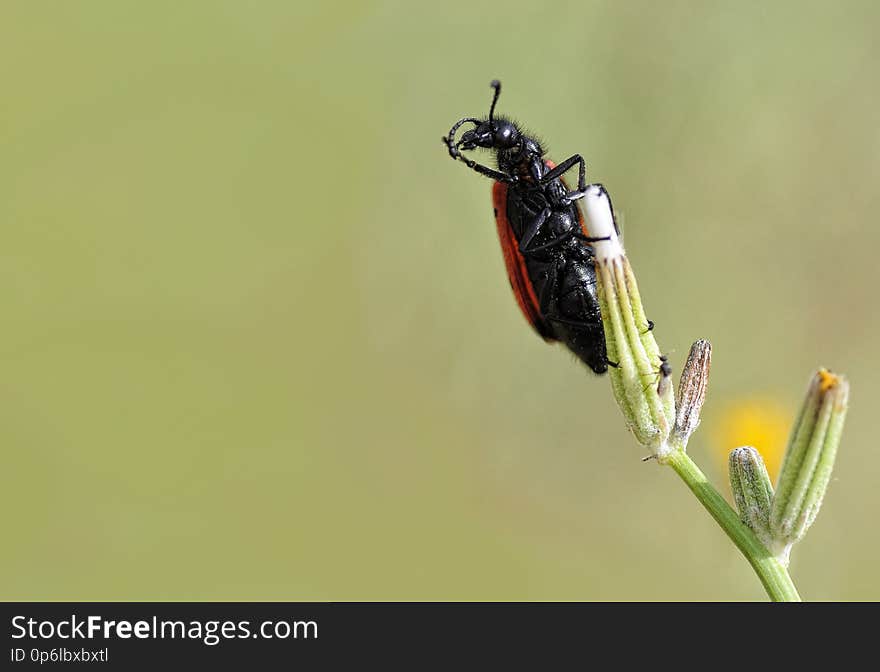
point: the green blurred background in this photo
(257, 338)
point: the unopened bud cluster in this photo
(781, 518)
(664, 421)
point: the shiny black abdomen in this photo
(563, 276)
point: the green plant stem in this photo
(772, 573)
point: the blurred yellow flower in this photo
(761, 423)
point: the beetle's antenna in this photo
(497, 86)
(450, 139)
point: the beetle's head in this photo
(491, 133)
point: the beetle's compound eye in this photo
(506, 135)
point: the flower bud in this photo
(752, 491)
(809, 459)
(649, 410)
(692, 389)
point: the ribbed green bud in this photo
(752, 491)
(809, 459)
(649, 409)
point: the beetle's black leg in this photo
(556, 241)
(552, 243)
(552, 314)
(536, 226)
(488, 172)
(584, 325)
(547, 290)
(573, 323)
(549, 293)
(589, 239)
(563, 168)
(532, 231)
